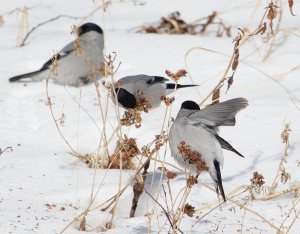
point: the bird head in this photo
(88, 27)
(190, 105)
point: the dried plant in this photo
(191, 180)
(192, 157)
(189, 210)
(9, 148)
(167, 100)
(285, 135)
(133, 116)
(291, 4)
(23, 28)
(170, 175)
(125, 152)
(126, 149)
(173, 24)
(177, 75)
(256, 186)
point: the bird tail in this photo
(23, 76)
(179, 86)
(218, 180)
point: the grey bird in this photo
(197, 130)
(75, 66)
(152, 87)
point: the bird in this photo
(78, 62)
(153, 88)
(194, 140)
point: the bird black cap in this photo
(190, 105)
(87, 27)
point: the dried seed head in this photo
(176, 76)
(146, 151)
(133, 116)
(170, 175)
(124, 151)
(189, 210)
(143, 102)
(192, 157)
(257, 180)
(160, 140)
(191, 180)
(168, 101)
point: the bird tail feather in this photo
(26, 75)
(179, 86)
(218, 181)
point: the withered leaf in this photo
(229, 82)
(261, 29)
(216, 96)
(291, 4)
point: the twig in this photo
(45, 22)
(164, 210)
(7, 148)
(255, 213)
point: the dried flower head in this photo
(133, 116)
(257, 181)
(170, 175)
(143, 102)
(189, 210)
(130, 117)
(191, 180)
(176, 76)
(161, 139)
(168, 101)
(193, 157)
(124, 152)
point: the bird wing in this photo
(220, 114)
(69, 48)
(226, 145)
(156, 79)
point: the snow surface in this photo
(43, 187)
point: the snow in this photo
(44, 187)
